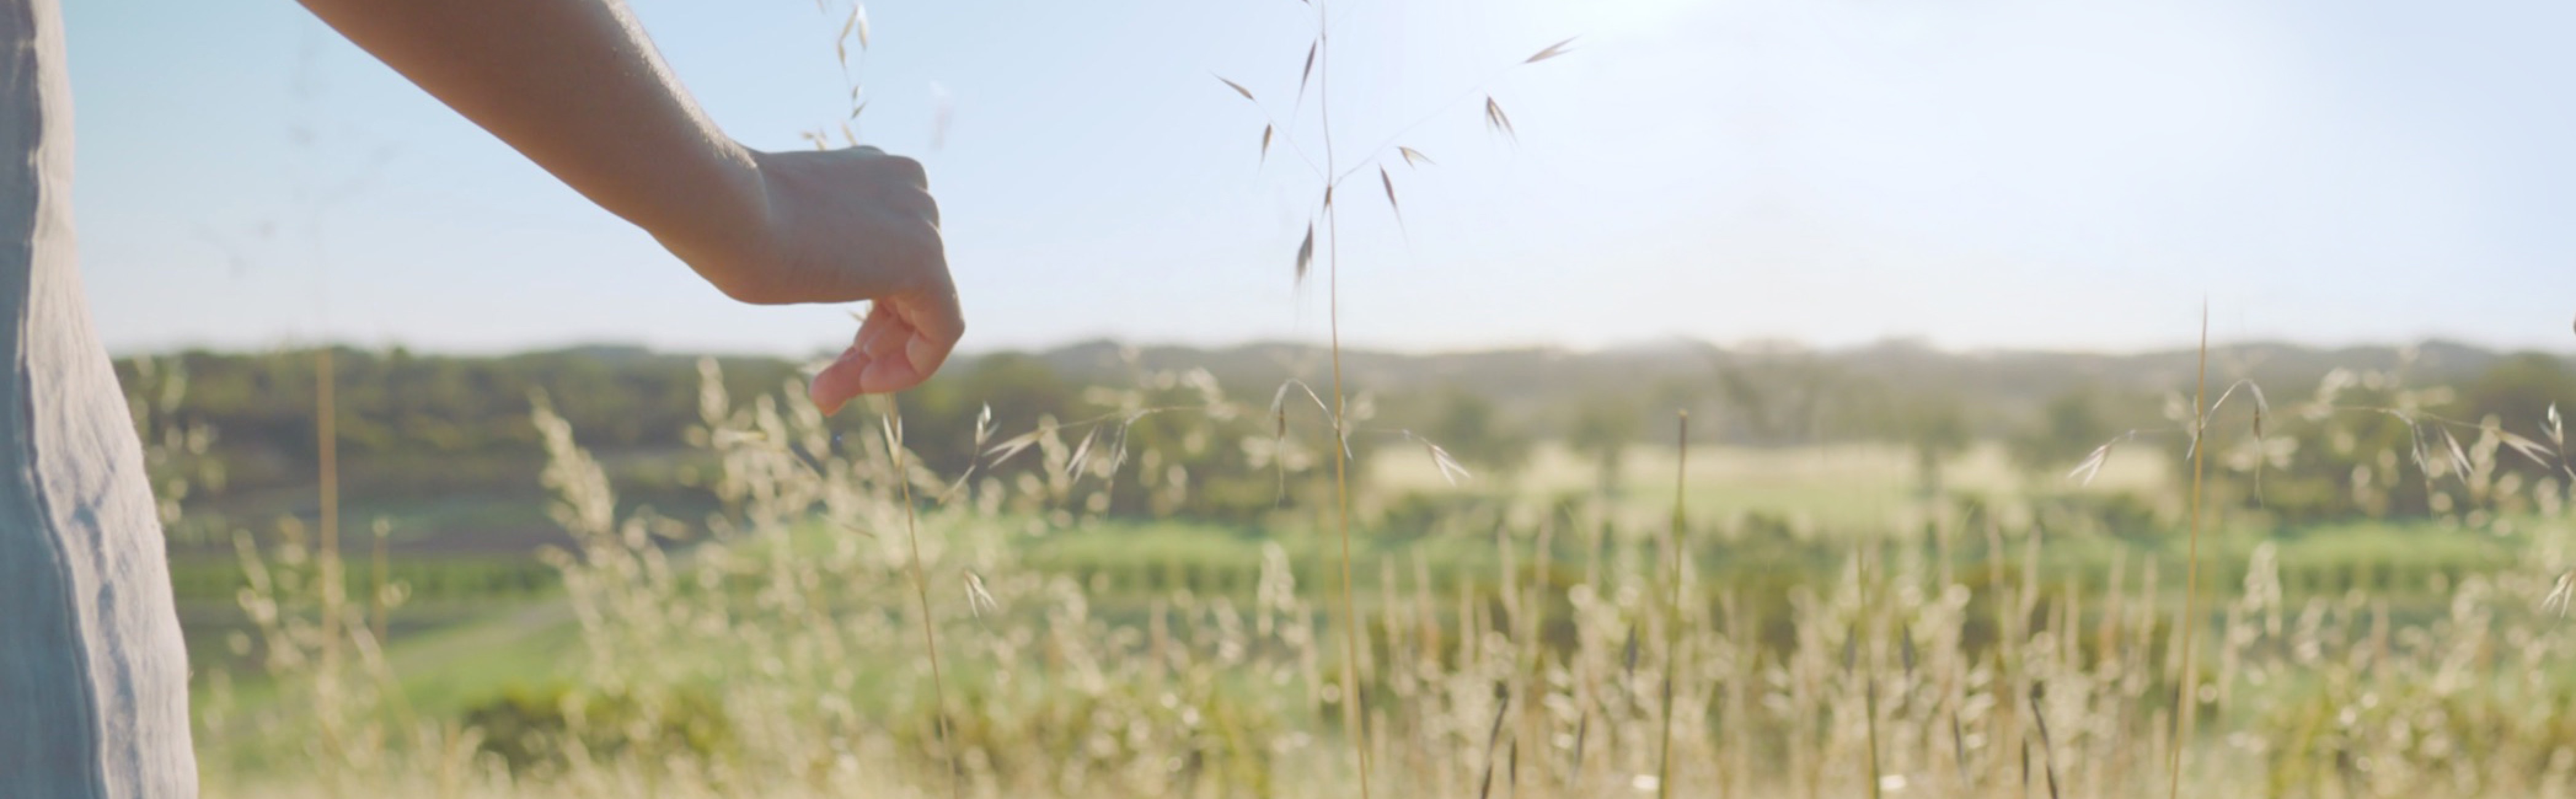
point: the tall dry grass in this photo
(1331, 174)
(776, 650)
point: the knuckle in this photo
(929, 210)
(933, 248)
(910, 170)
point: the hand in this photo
(842, 226)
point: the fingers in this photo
(839, 382)
(937, 324)
(889, 348)
(847, 377)
(881, 335)
(903, 342)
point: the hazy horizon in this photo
(1745, 345)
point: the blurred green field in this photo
(479, 627)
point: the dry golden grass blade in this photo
(1629, 658)
(841, 40)
(1497, 121)
(856, 26)
(1073, 466)
(1905, 648)
(1388, 181)
(1582, 731)
(1309, 72)
(1552, 51)
(979, 599)
(2047, 750)
(1450, 470)
(1413, 157)
(1237, 87)
(1502, 703)
(2460, 465)
(1959, 746)
(1306, 253)
(1279, 410)
(1266, 132)
(2262, 407)
(1011, 446)
(2533, 450)
(2083, 473)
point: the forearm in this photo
(576, 87)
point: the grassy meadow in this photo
(1131, 585)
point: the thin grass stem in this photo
(1353, 697)
(1673, 607)
(2186, 698)
(1869, 676)
(921, 591)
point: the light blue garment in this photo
(93, 675)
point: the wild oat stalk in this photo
(1673, 610)
(2047, 749)
(1317, 71)
(1869, 675)
(1353, 714)
(854, 28)
(2186, 699)
(893, 424)
(326, 419)
(1502, 705)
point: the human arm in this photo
(576, 87)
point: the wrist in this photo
(724, 233)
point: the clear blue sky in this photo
(2012, 173)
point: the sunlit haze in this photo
(1991, 173)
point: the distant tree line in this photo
(427, 426)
